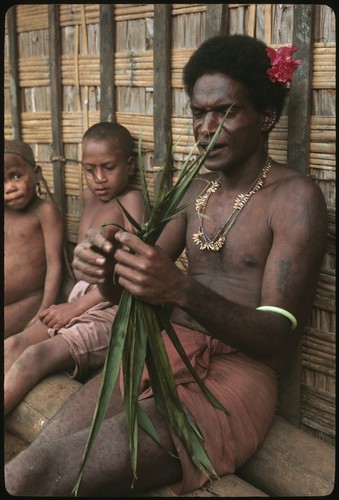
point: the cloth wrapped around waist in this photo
(244, 386)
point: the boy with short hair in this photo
(33, 241)
(74, 336)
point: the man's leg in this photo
(49, 467)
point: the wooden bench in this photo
(291, 462)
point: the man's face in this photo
(215, 95)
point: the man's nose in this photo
(210, 123)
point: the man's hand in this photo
(93, 258)
(146, 271)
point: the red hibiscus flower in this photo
(283, 66)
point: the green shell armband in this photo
(281, 311)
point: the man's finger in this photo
(98, 239)
(133, 242)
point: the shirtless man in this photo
(33, 241)
(269, 259)
(74, 336)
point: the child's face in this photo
(19, 182)
(106, 168)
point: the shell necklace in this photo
(201, 238)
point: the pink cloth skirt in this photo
(246, 387)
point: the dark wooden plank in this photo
(229, 486)
(107, 37)
(216, 20)
(291, 463)
(299, 119)
(300, 96)
(40, 405)
(14, 73)
(56, 107)
(162, 82)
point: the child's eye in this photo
(17, 177)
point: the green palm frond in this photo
(136, 339)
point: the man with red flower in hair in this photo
(255, 238)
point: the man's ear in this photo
(131, 165)
(269, 119)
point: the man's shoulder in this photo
(293, 192)
(287, 179)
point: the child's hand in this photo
(59, 315)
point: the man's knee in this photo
(25, 470)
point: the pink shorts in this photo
(87, 334)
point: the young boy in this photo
(33, 241)
(74, 336)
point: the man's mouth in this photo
(205, 145)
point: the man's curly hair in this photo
(243, 58)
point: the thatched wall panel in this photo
(32, 17)
(72, 14)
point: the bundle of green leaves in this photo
(136, 337)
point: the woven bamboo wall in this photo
(79, 26)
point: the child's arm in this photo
(134, 204)
(59, 315)
(53, 234)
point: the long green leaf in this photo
(109, 376)
(133, 362)
(146, 424)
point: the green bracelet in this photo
(281, 311)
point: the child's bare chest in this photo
(21, 229)
(94, 215)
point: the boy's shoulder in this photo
(131, 193)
